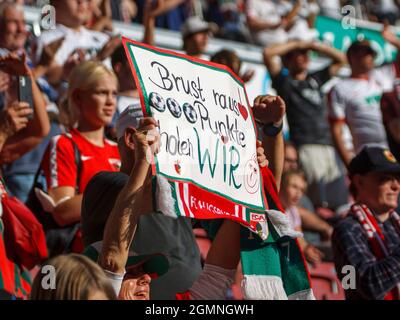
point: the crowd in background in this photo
(82, 84)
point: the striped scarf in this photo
(275, 268)
(376, 237)
(273, 264)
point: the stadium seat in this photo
(325, 284)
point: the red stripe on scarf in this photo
(376, 246)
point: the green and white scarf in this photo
(273, 265)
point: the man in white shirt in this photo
(71, 16)
(356, 101)
(265, 22)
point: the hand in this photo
(269, 109)
(73, 60)
(248, 75)
(14, 118)
(50, 51)
(261, 158)
(4, 81)
(147, 139)
(129, 10)
(14, 65)
(312, 254)
(109, 48)
(152, 10)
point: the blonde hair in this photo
(82, 77)
(77, 277)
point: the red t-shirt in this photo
(60, 167)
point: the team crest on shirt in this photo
(389, 156)
(116, 163)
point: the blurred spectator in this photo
(265, 23)
(16, 136)
(369, 237)
(383, 10)
(155, 232)
(292, 189)
(38, 128)
(291, 163)
(76, 278)
(356, 100)
(79, 43)
(172, 14)
(230, 18)
(390, 107)
(306, 114)
(195, 35)
(272, 22)
(230, 59)
(19, 174)
(99, 15)
(123, 10)
(331, 8)
(92, 102)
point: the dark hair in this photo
(227, 58)
(118, 56)
(289, 143)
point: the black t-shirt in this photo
(305, 107)
(155, 233)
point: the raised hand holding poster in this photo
(208, 134)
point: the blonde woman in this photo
(76, 278)
(72, 159)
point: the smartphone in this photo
(25, 92)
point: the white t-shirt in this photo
(266, 11)
(357, 102)
(124, 101)
(85, 39)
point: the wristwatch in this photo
(272, 129)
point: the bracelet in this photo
(272, 129)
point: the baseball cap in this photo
(155, 265)
(130, 117)
(194, 24)
(361, 45)
(374, 159)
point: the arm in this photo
(393, 40)
(121, 224)
(271, 110)
(338, 58)
(220, 265)
(258, 25)
(374, 278)
(311, 221)
(149, 19)
(270, 53)
(166, 5)
(337, 135)
(28, 138)
(67, 211)
(337, 115)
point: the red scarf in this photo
(376, 238)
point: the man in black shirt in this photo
(307, 114)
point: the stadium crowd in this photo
(76, 186)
